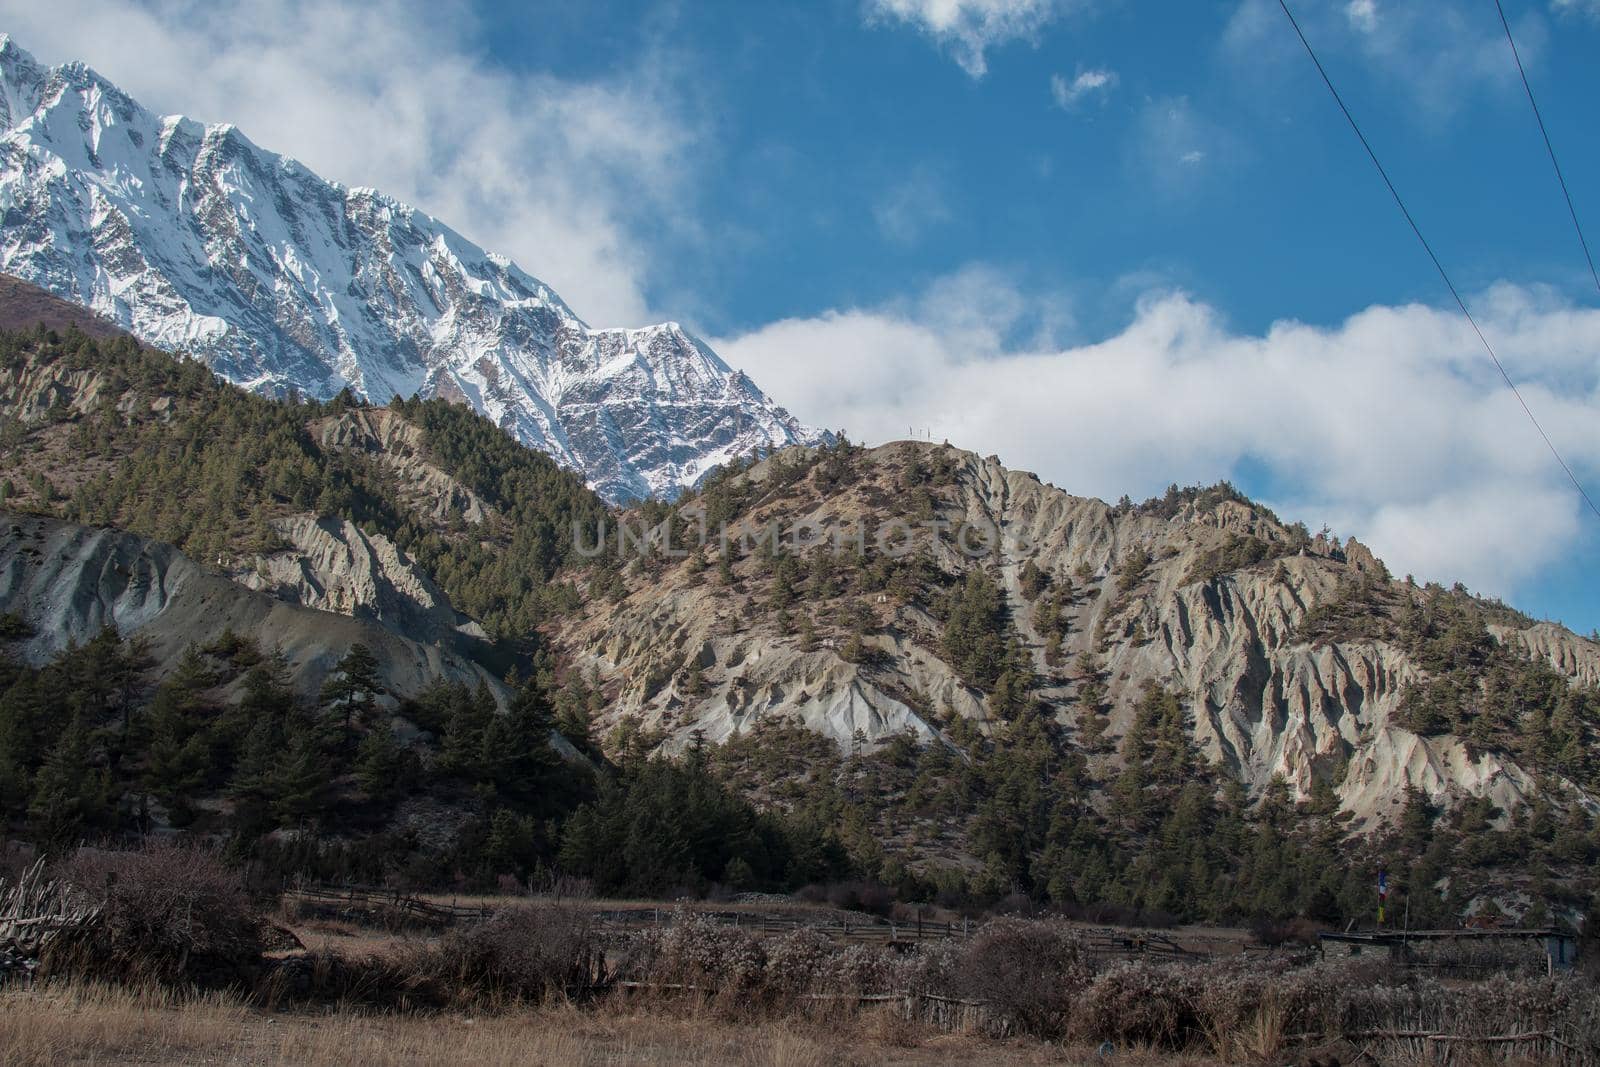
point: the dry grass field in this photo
(92, 1024)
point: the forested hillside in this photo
(1184, 707)
(108, 433)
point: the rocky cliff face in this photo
(396, 445)
(1155, 596)
(332, 565)
(196, 240)
(69, 582)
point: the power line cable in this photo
(1454, 292)
(1549, 147)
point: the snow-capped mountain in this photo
(194, 239)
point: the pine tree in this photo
(254, 781)
(353, 688)
(302, 781)
(379, 763)
(70, 795)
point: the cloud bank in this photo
(1391, 425)
(560, 176)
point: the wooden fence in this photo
(390, 906)
(1099, 944)
(374, 901)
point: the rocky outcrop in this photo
(397, 446)
(69, 582)
(1578, 657)
(1267, 701)
(332, 565)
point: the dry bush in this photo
(1140, 1003)
(169, 913)
(697, 951)
(1481, 959)
(798, 961)
(868, 970)
(371, 914)
(1028, 970)
(1229, 1002)
(15, 858)
(1297, 931)
(520, 955)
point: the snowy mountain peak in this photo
(195, 239)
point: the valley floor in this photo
(99, 1025)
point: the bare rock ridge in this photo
(332, 565)
(196, 240)
(69, 582)
(685, 653)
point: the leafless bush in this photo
(698, 951)
(867, 970)
(1481, 959)
(15, 858)
(169, 913)
(520, 955)
(1140, 1003)
(798, 961)
(1028, 970)
(869, 897)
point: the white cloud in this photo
(1391, 425)
(1440, 56)
(1088, 83)
(1363, 14)
(1590, 8)
(911, 207)
(969, 28)
(561, 176)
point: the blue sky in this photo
(1121, 244)
(853, 158)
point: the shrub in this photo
(1028, 970)
(519, 955)
(169, 913)
(527, 953)
(700, 952)
(1138, 1003)
(798, 960)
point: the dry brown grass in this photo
(77, 1024)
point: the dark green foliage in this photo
(1131, 571)
(663, 825)
(381, 764)
(223, 747)
(1360, 609)
(1204, 498)
(353, 688)
(500, 583)
(837, 466)
(977, 633)
(1236, 553)
(1032, 580)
